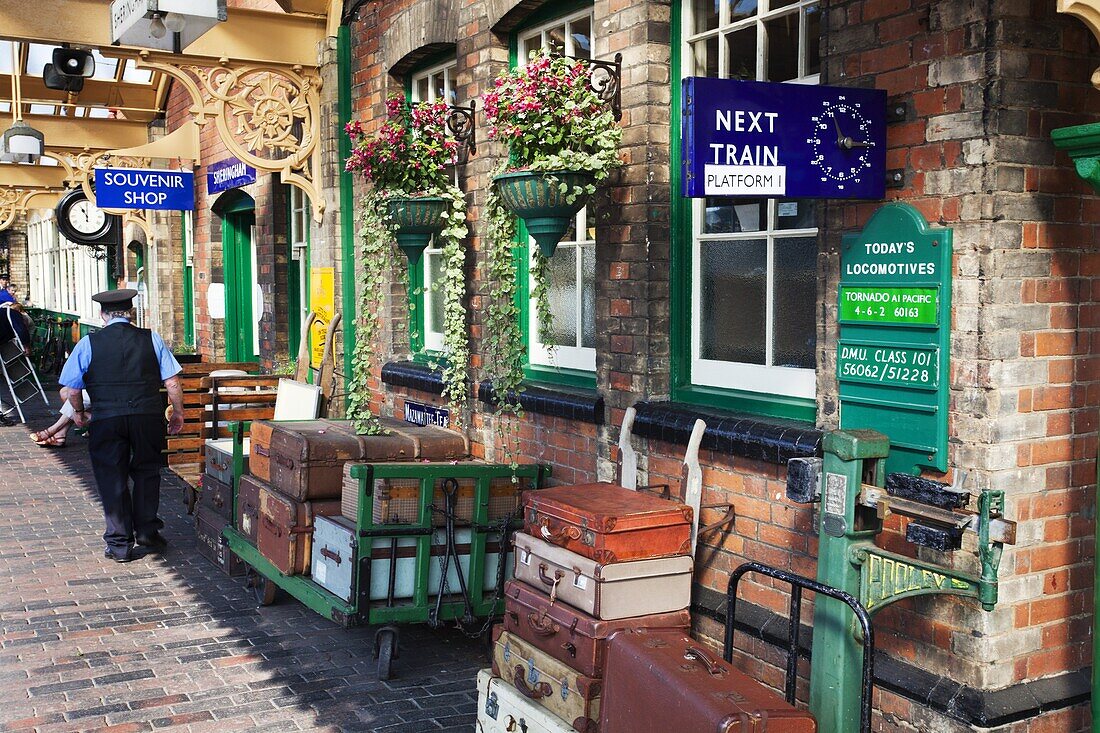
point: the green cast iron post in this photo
(851, 458)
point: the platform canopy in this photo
(254, 58)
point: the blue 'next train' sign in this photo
(750, 138)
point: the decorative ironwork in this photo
(460, 123)
(267, 116)
(606, 80)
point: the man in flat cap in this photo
(123, 368)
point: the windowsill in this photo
(560, 376)
(774, 440)
(582, 405)
(766, 406)
(413, 375)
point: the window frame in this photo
(299, 246)
(69, 276)
(798, 402)
(570, 366)
(426, 346)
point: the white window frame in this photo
(64, 275)
(300, 212)
(759, 378)
(432, 337)
(578, 357)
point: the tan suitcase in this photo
(285, 532)
(397, 501)
(563, 691)
(608, 592)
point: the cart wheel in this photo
(262, 588)
(385, 650)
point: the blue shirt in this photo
(6, 296)
(72, 374)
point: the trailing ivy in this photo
(375, 256)
(456, 344)
(408, 158)
(502, 338)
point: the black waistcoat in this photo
(123, 376)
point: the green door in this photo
(239, 259)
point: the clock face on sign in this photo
(841, 142)
(86, 218)
(81, 221)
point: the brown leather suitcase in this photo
(259, 455)
(284, 534)
(217, 496)
(568, 635)
(248, 506)
(211, 544)
(608, 523)
(432, 443)
(663, 680)
(308, 456)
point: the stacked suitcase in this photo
(215, 509)
(587, 565)
(595, 632)
(297, 478)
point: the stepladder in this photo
(20, 376)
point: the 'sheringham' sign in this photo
(747, 138)
(139, 188)
(227, 174)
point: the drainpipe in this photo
(1082, 143)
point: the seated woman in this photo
(54, 436)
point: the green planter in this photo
(536, 198)
(415, 220)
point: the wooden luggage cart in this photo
(468, 563)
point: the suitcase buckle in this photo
(492, 706)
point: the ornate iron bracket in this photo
(460, 123)
(606, 80)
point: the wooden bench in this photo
(187, 446)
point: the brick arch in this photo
(505, 15)
(424, 30)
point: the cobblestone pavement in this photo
(168, 642)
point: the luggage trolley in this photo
(449, 526)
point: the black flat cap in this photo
(119, 299)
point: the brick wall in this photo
(984, 85)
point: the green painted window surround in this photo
(683, 390)
(417, 290)
(539, 373)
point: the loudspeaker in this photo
(69, 68)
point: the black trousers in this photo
(124, 449)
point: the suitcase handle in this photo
(261, 450)
(334, 556)
(284, 461)
(542, 624)
(558, 575)
(539, 691)
(218, 501)
(271, 525)
(695, 654)
(219, 466)
(561, 536)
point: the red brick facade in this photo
(983, 87)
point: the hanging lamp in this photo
(20, 143)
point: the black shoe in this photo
(118, 555)
(7, 418)
(155, 542)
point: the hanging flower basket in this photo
(415, 220)
(538, 199)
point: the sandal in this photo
(47, 439)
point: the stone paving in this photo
(168, 642)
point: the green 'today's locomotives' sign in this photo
(894, 304)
